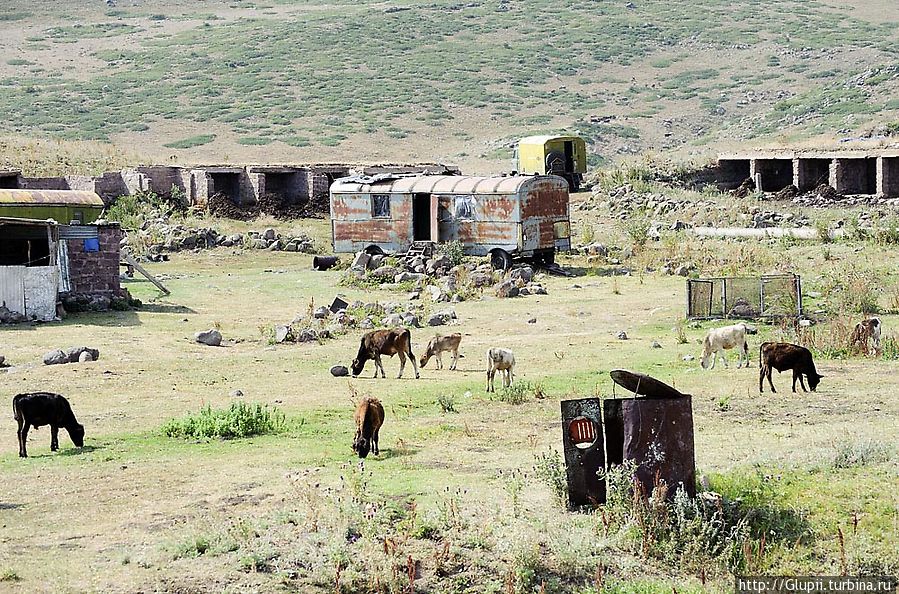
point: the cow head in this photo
(813, 380)
(358, 366)
(361, 445)
(76, 432)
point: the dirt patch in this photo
(220, 205)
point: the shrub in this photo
(447, 403)
(637, 227)
(822, 228)
(133, 209)
(888, 234)
(850, 452)
(550, 470)
(239, 420)
(454, 250)
(517, 393)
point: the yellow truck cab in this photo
(565, 156)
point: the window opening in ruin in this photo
(380, 206)
(464, 207)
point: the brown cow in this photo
(369, 417)
(782, 356)
(439, 345)
(396, 341)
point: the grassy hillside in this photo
(289, 79)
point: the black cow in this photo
(44, 408)
(782, 356)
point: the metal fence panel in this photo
(744, 297)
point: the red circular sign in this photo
(582, 432)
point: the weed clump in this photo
(239, 420)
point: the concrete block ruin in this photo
(873, 173)
(243, 185)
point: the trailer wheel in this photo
(500, 260)
(374, 250)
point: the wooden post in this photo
(144, 272)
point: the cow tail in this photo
(760, 355)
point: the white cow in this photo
(720, 339)
(500, 360)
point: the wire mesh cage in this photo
(768, 296)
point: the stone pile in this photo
(434, 277)
(518, 282)
(72, 355)
(11, 317)
(323, 323)
(160, 237)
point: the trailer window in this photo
(464, 207)
(380, 206)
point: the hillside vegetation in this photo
(291, 79)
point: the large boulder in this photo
(506, 289)
(283, 333)
(85, 357)
(437, 294)
(387, 273)
(340, 371)
(74, 354)
(392, 320)
(321, 313)
(442, 317)
(522, 276)
(55, 357)
(480, 279)
(210, 337)
(361, 260)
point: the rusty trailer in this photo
(504, 217)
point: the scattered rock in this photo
(74, 354)
(85, 357)
(209, 337)
(532, 321)
(307, 335)
(688, 357)
(340, 371)
(392, 320)
(522, 276)
(283, 333)
(655, 344)
(622, 335)
(321, 313)
(236, 394)
(506, 289)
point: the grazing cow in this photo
(396, 341)
(867, 331)
(440, 344)
(720, 339)
(44, 408)
(782, 356)
(369, 417)
(500, 360)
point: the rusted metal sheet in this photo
(50, 197)
(582, 439)
(656, 432)
(643, 385)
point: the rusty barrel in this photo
(323, 262)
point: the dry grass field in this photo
(454, 494)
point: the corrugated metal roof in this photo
(437, 184)
(541, 140)
(50, 198)
(18, 221)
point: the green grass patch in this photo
(239, 420)
(191, 141)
